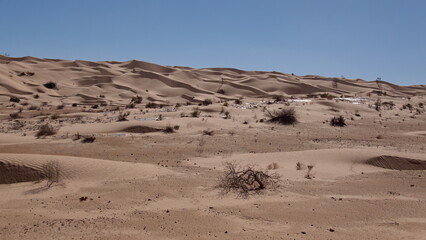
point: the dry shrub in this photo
(338, 121)
(309, 173)
(50, 85)
(45, 130)
(208, 132)
(14, 99)
(14, 115)
(246, 180)
(88, 139)
(273, 166)
(195, 113)
(122, 116)
(52, 172)
(286, 116)
(169, 129)
(300, 166)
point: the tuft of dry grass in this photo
(52, 172)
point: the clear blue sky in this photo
(354, 38)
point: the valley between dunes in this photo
(156, 173)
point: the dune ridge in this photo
(117, 82)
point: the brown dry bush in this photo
(45, 130)
(338, 121)
(286, 116)
(246, 180)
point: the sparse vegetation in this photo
(273, 166)
(238, 101)
(52, 172)
(122, 116)
(45, 130)
(14, 115)
(326, 96)
(169, 129)
(50, 85)
(388, 105)
(300, 166)
(14, 99)
(88, 139)
(338, 121)
(378, 104)
(408, 106)
(206, 102)
(136, 100)
(227, 115)
(221, 91)
(195, 113)
(285, 116)
(208, 132)
(309, 173)
(153, 105)
(246, 180)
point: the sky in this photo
(351, 38)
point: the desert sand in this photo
(156, 174)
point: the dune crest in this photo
(116, 82)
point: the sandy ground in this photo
(137, 182)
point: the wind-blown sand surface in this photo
(135, 181)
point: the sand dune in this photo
(125, 177)
(29, 167)
(111, 79)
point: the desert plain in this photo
(136, 150)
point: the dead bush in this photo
(51, 172)
(45, 130)
(286, 116)
(246, 180)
